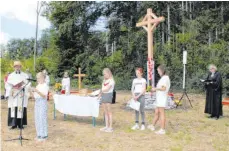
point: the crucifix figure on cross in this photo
(149, 23)
(79, 75)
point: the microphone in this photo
(32, 80)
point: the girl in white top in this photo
(106, 96)
(138, 93)
(66, 83)
(162, 90)
(41, 107)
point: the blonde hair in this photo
(40, 74)
(212, 66)
(107, 70)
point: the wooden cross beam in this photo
(149, 23)
(79, 75)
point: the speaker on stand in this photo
(185, 54)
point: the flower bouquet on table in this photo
(62, 91)
(57, 87)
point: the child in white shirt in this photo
(138, 93)
(161, 90)
(41, 107)
(106, 98)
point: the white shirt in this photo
(43, 88)
(107, 83)
(138, 85)
(162, 96)
(12, 79)
(66, 85)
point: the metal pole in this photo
(147, 73)
(54, 111)
(184, 76)
(35, 44)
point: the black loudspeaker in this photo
(114, 97)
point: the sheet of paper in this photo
(134, 104)
(202, 80)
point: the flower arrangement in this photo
(148, 89)
(57, 87)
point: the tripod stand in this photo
(20, 138)
(184, 94)
(184, 89)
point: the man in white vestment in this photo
(15, 83)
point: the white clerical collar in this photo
(18, 72)
(213, 73)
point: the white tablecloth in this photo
(77, 105)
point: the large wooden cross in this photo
(149, 23)
(79, 75)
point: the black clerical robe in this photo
(213, 104)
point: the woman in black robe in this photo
(213, 87)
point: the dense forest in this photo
(73, 41)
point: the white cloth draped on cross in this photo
(149, 23)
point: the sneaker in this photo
(143, 127)
(161, 132)
(135, 127)
(41, 139)
(151, 127)
(109, 130)
(36, 138)
(103, 129)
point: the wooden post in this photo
(79, 75)
(149, 23)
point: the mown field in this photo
(188, 130)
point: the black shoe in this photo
(211, 116)
(13, 127)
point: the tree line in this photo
(73, 40)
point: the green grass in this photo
(177, 148)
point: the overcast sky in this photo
(18, 20)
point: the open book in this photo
(202, 80)
(16, 82)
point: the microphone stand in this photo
(20, 138)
